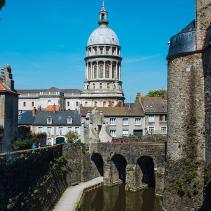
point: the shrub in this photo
(72, 137)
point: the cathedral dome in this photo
(103, 35)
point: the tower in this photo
(188, 106)
(103, 85)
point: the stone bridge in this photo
(136, 164)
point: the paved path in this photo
(71, 197)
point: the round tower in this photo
(103, 85)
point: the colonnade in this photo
(97, 70)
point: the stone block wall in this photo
(33, 179)
(184, 179)
(79, 162)
(203, 20)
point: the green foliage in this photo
(187, 183)
(26, 143)
(72, 137)
(181, 187)
(2, 3)
(156, 93)
(47, 190)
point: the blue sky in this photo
(44, 40)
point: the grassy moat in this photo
(117, 199)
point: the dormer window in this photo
(69, 120)
(49, 120)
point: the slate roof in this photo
(129, 110)
(52, 89)
(154, 105)
(25, 118)
(59, 118)
(184, 41)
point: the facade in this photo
(147, 116)
(64, 99)
(8, 110)
(103, 85)
(56, 124)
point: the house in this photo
(56, 124)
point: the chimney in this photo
(34, 111)
(138, 97)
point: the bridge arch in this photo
(99, 163)
(146, 165)
(119, 163)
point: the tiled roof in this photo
(58, 118)
(25, 118)
(52, 89)
(129, 110)
(154, 105)
(53, 108)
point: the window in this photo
(69, 120)
(32, 104)
(101, 85)
(151, 130)
(95, 50)
(125, 121)
(125, 133)
(60, 131)
(107, 71)
(113, 70)
(151, 118)
(40, 129)
(95, 103)
(108, 86)
(93, 86)
(113, 51)
(101, 51)
(138, 121)
(49, 120)
(77, 130)
(95, 71)
(49, 131)
(68, 103)
(101, 71)
(104, 104)
(113, 133)
(112, 121)
(107, 50)
(163, 130)
(77, 103)
(24, 104)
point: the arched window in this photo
(100, 70)
(89, 71)
(113, 70)
(95, 71)
(107, 70)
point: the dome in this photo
(103, 36)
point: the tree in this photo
(2, 3)
(72, 137)
(156, 93)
